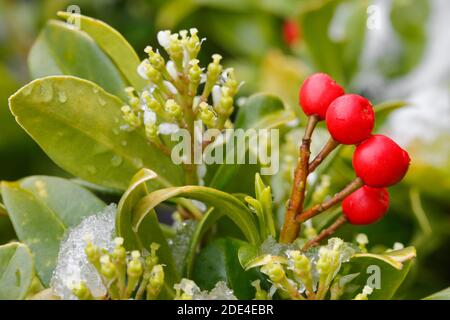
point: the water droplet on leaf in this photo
(46, 91)
(116, 160)
(62, 97)
(91, 169)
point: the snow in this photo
(72, 265)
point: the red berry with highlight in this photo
(317, 93)
(380, 162)
(366, 205)
(350, 119)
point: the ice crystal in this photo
(219, 292)
(72, 265)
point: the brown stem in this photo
(325, 233)
(326, 150)
(338, 197)
(295, 204)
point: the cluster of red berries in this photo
(378, 161)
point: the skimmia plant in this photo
(179, 227)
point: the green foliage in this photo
(96, 150)
(62, 50)
(41, 209)
(16, 271)
(72, 110)
(391, 267)
(149, 231)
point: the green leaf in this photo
(41, 209)
(78, 124)
(61, 49)
(224, 204)
(393, 267)
(195, 240)
(261, 111)
(441, 295)
(149, 230)
(219, 262)
(16, 271)
(136, 190)
(114, 45)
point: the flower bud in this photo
(207, 115)
(260, 294)
(274, 271)
(130, 117)
(134, 269)
(108, 269)
(155, 59)
(82, 292)
(155, 282)
(193, 45)
(173, 109)
(119, 253)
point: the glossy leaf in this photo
(224, 204)
(61, 49)
(114, 45)
(16, 271)
(41, 209)
(441, 295)
(219, 262)
(393, 267)
(78, 125)
(149, 231)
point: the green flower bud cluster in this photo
(306, 275)
(125, 276)
(179, 91)
(277, 275)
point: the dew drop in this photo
(46, 91)
(101, 101)
(116, 160)
(62, 96)
(138, 162)
(27, 90)
(91, 170)
(95, 89)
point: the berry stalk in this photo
(338, 197)
(326, 150)
(295, 203)
(325, 233)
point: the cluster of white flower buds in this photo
(124, 275)
(179, 91)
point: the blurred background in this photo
(387, 50)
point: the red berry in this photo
(350, 119)
(380, 162)
(290, 32)
(366, 205)
(317, 92)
